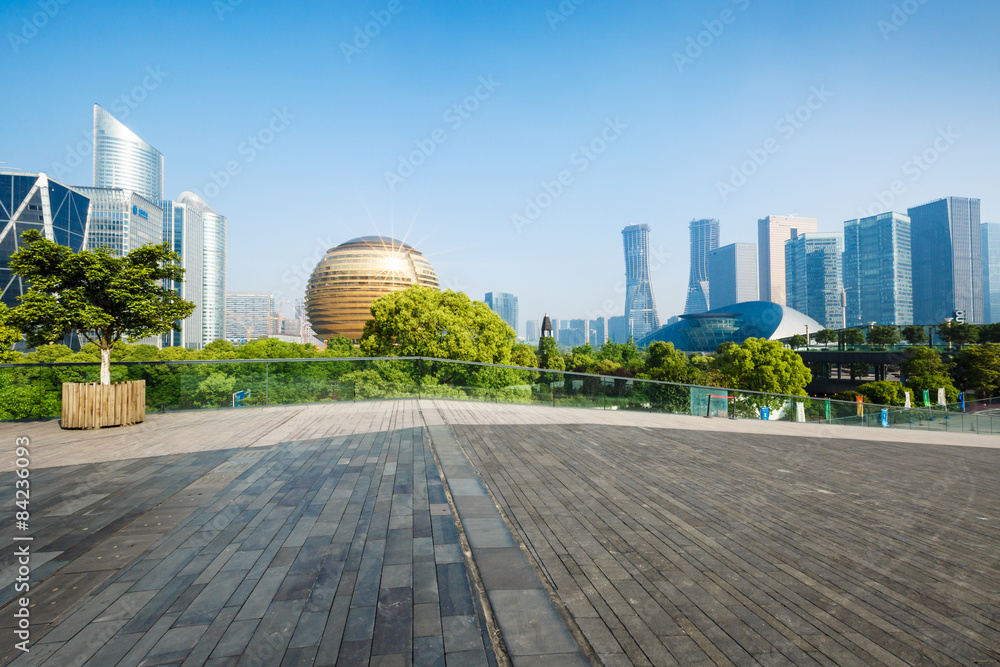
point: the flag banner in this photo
(941, 398)
(927, 398)
(961, 400)
(828, 410)
(885, 418)
(800, 412)
(907, 403)
(860, 400)
(765, 413)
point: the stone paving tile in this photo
(309, 554)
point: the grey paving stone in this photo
(428, 651)
(529, 623)
(505, 569)
(454, 591)
(466, 659)
(263, 593)
(309, 630)
(394, 622)
(426, 620)
(461, 633)
(360, 623)
(236, 638)
(175, 645)
(488, 533)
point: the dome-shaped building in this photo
(355, 273)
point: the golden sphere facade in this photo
(355, 273)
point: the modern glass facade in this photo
(355, 273)
(123, 160)
(531, 330)
(640, 308)
(598, 332)
(34, 201)
(772, 232)
(213, 280)
(990, 244)
(183, 228)
(813, 276)
(732, 274)
(618, 329)
(122, 220)
(947, 260)
(704, 239)
(249, 316)
(504, 305)
(878, 278)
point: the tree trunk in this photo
(106, 366)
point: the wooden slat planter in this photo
(93, 405)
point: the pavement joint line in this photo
(541, 574)
(489, 617)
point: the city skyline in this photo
(776, 110)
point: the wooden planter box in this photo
(93, 405)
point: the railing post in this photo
(267, 387)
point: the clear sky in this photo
(829, 102)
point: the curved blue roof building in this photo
(704, 332)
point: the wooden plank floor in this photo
(694, 547)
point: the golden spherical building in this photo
(355, 273)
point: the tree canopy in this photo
(883, 335)
(762, 365)
(103, 297)
(8, 336)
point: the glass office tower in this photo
(732, 274)
(878, 278)
(991, 271)
(123, 160)
(704, 239)
(183, 228)
(34, 201)
(249, 316)
(122, 220)
(504, 305)
(772, 232)
(213, 323)
(813, 282)
(640, 309)
(946, 238)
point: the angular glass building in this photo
(34, 201)
(991, 271)
(947, 260)
(122, 220)
(344, 283)
(732, 274)
(640, 309)
(878, 277)
(504, 305)
(123, 160)
(183, 228)
(772, 232)
(813, 276)
(704, 239)
(213, 279)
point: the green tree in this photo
(549, 357)
(103, 297)
(853, 337)
(763, 365)
(665, 363)
(914, 335)
(9, 334)
(959, 333)
(882, 392)
(825, 336)
(796, 341)
(627, 356)
(978, 367)
(883, 335)
(923, 368)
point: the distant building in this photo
(248, 316)
(34, 201)
(598, 332)
(991, 272)
(704, 239)
(878, 277)
(545, 332)
(121, 220)
(735, 323)
(618, 329)
(772, 232)
(640, 308)
(504, 305)
(946, 238)
(213, 323)
(813, 276)
(581, 332)
(732, 274)
(531, 330)
(123, 160)
(183, 228)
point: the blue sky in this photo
(824, 105)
